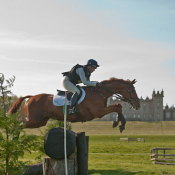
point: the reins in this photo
(95, 90)
(118, 96)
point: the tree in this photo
(4, 90)
(12, 148)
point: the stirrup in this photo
(73, 111)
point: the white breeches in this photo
(69, 85)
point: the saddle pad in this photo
(58, 100)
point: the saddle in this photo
(69, 94)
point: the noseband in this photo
(120, 97)
(130, 99)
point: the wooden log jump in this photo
(82, 153)
(77, 152)
(132, 139)
(57, 167)
(54, 143)
(166, 159)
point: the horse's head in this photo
(130, 95)
(124, 88)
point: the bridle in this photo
(120, 97)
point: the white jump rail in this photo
(132, 139)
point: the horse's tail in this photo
(17, 105)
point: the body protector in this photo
(74, 77)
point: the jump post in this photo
(77, 152)
(166, 159)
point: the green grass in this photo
(132, 128)
(109, 156)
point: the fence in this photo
(132, 139)
(162, 158)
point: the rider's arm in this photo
(81, 73)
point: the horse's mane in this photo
(114, 79)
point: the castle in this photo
(150, 109)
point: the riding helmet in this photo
(92, 62)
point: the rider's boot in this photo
(73, 102)
(123, 121)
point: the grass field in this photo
(132, 128)
(109, 156)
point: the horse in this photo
(39, 109)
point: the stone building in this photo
(150, 110)
(169, 113)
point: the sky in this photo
(130, 39)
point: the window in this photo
(150, 109)
(174, 114)
(167, 115)
(138, 115)
(134, 116)
(150, 116)
(125, 115)
(158, 116)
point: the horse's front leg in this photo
(116, 108)
(120, 118)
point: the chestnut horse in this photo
(39, 108)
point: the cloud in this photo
(43, 44)
(53, 38)
(17, 40)
(33, 61)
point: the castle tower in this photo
(158, 105)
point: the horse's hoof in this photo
(121, 127)
(114, 124)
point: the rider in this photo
(78, 74)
